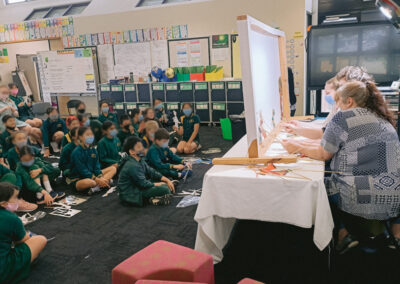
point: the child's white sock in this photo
(39, 195)
(96, 188)
(47, 186)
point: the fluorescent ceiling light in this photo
(14, 1)
(386, 12)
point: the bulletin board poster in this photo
(3, 55)
(67, 71)
(220, 41)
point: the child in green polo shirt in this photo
(65, 158)
(138, 182)
(161, 158)
(109, 146)
(19, 139)
(34, 172)
(17, 249)
(126, 129)
(94, 124)
(71, 122)
(106, 114)
(137, 117)
(189, 130)
(85, 166)
(148, 137)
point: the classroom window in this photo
(14, 1)
(56, 11)
(144, 3)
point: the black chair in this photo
(39, 110)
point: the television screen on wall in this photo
(374, 46)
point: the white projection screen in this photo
(265, 88)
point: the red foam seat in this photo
(249, 281)
(164, 282)
(165, 261)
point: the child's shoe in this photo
(93, 190)
(52, 194)
(160, 200)
(186, 173)
(60, 195)
(24, 206)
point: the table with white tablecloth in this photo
(238, 192)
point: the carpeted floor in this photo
(87, 246)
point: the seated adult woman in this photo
(8, 107)
(346, 74)
(24, 108)
(364, 147)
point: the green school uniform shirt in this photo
(13, 157)
(108, 150)
(96, 125)
(162, 158)
(6, 144)
(5, 103)
(24, 111)
(85, 163)
(136, 127)
(66, 139)
(146, 142)
(123, 135)
(135, 176)
(14, 262)
(29, 183)
(65, 157)
(49, 127)
(188, 124)
(110, 116)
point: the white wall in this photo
(18, 48)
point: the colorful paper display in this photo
(37, 29)
(131, 36)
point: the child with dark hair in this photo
(138, 182)
(189, 130)
(164, 116)
(17, 249)
(53, 130)
(71, 122)
(34, 172)
(126, 129)
(85, 166)
(65, 163)
(105, 113)
(161, 158)
(109, 146)
(19, 140)
(80, 108)
(94, 124)
(136, 116)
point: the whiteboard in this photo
(105, 55)
(132, 57)
(159, 54)
(67, 71)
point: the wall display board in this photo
(106, 62)
(189, 52)
(67, 71)
(265, 85)
(132, 57)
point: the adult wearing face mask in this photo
(138, 182)
(24, 108)
(189, 130)
(53, 129)
(86, 173)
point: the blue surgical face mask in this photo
(21, 144)
(151, 135)
(54, 116)
(141, 154)
(158, 107)
(187, 111)
(141, 117)
(105, 109)
(329, 100)
(87, 123)
(164, 145)
(28, 163)
(89, 140)
(113, 132)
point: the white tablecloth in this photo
(236, 192)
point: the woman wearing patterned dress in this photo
(364, 147)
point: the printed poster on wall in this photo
(195, 53)
(181, 54)
(220, 41)
(4, 55)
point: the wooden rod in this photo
(254, 161)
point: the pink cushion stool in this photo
(164, 282)
(249, 281)
(165, 261)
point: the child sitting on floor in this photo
(33, 172)
(109, 146)
(19, 140)
(106, 114)
(65, 158)
(94, 125)
(85, 165)
(189, 130)
(148, 138)
(161, 158)
(71, 122)
(126, 129)
(137, 117)
(53, 130)
(138, 181)
(17, 249)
